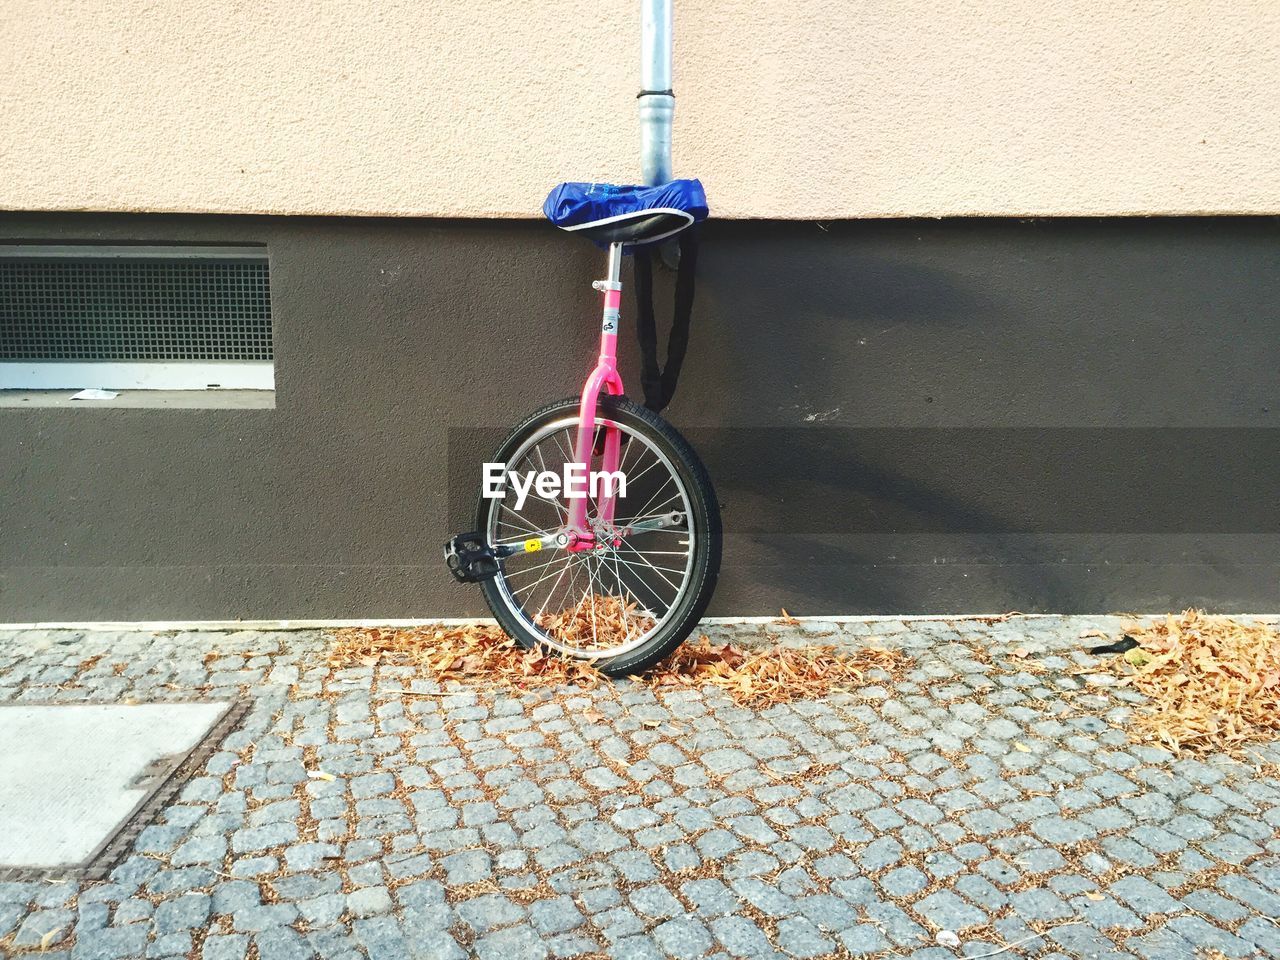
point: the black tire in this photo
(704, 519)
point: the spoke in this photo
(643, 510)
(650, 565)
(591, 592)
(561, 512)
(643, 583)
(622, 462)
(531, 495)
(516, 525)
(521, 573)
(656, 463)
(568, 455)
(626, 592)
(571, 592)
(530, 586)
(551, 593)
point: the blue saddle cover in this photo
(576, 204)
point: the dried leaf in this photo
(1021, 747)
(1211, 683)
(321, 775)
(484, 654)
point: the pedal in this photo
(470, 559)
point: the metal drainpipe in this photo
(657, 102)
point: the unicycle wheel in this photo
(641, 587)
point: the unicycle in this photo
(597, 535)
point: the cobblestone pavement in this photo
(987, 794)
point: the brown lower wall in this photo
(951, 416)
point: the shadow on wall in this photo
(822, 360)
(802, 489)
(850, 514)
(786, 324)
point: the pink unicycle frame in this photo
(604, 378)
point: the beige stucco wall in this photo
(790, 108)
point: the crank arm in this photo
(530, 545)
(673, 519)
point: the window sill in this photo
(144, 399)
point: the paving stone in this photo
(903, 882)
(200, 850)
(225, 947)
(830, 913)
(489, 911)
(981, 892)
(110, 943)
(880, 853)
(1251, 894)
(867, 938)
(54, 924)
(1160, 944)
(324, 910)
(255, 839)
(1061, 831)
(231, 896)
(559, 915)
(471, 866)
(159, 839)
(180, 881)
(521, 941)
(741, 937)
(946, 911)
(710, 898)
(257, 919)
(1262, 934)
(1039, 904)
(619, 923)
(799, 937)
(369, 901)
(170, 945)
(1143, 896)
(184, 913)
(683, 938)
(1206, 937)
(133, 910)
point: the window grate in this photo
(76, 306)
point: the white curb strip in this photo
(159, 625)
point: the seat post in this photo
(612, 289)
(615, 262)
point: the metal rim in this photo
(642, 575)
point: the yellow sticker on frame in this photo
(532, 546)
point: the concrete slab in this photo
(71, 775)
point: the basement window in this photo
(135, 318)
